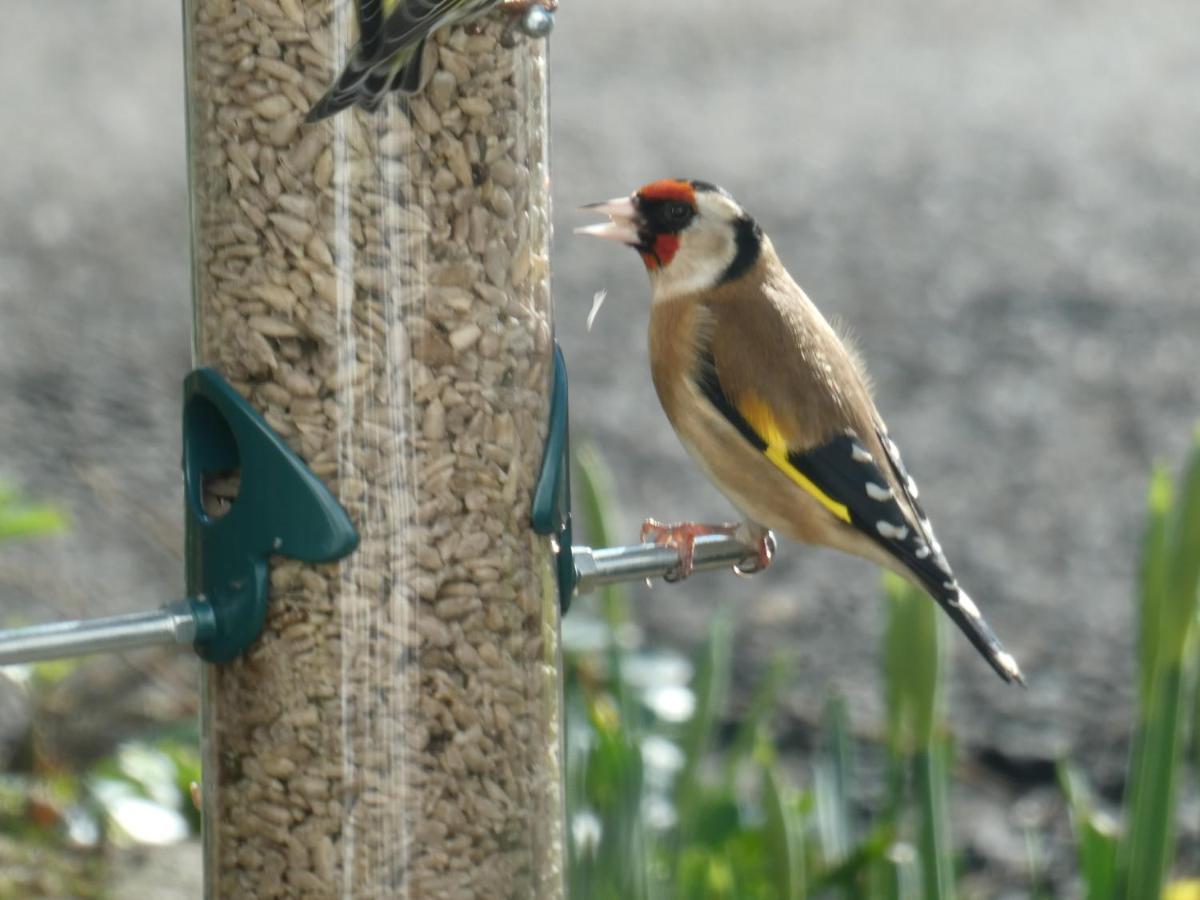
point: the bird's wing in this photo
(839, 470)
(411, 21)
(370, 25)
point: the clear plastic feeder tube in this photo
(377, 286)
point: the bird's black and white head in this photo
(691, 235)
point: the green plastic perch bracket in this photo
(582, 569)
(282, 508)
(551, 512)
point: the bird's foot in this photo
(764, 543)
(520, 7)
(681, 537)
(516, 9)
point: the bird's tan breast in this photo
(678, 331)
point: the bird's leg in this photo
(681, 537)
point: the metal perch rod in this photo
(609, 565)
(172, 624)
(176, 624)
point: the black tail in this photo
(368, 87)
(965, 614)
(408, 79)
(344, 92)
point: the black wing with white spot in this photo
(370, 26)
(847, 473)
(414, 20)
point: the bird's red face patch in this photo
(669, 189)
(657, 201)
(664, 250)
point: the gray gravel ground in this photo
(999, 199)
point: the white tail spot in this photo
(967, 604)
(1008, 664)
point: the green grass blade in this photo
(1185, 540)
(850, 874)
(711, 686)
(1149, 845)
(613, 787)
(912, 665)
(784, 836)
(1170, 570)
(594, 509)
(1155, 567)
(929, 778)
(20, 520)
(832, 777)
(895, 876)
(751, 730)
(1095, 836)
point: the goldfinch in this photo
(391, 48)
(768, 400)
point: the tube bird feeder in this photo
(377, 287)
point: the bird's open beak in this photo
(622, 225)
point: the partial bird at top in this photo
(391, 47)
(770, 402)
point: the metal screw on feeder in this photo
(538, 21)
(281, 508)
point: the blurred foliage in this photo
(57, 825)
(666, 803)
(663, 803)
(20, 518)
(1133, 859)
(670, 797)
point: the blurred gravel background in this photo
(999, 200)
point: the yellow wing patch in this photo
(758, 414)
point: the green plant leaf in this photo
(1185, 541)
(832, 777)
(1170, 570)
(20, 519)
(753, 726)
(1155, 569)
(912, 665)
(1095, 835)
(594, 508)
(1148, 847)
(784, 836)
(934, 847)
(711, 687)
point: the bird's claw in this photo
(520, 6)
(681, 537)
(752, 565)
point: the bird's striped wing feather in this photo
(844, 478)
(414, 19)
(370, 25)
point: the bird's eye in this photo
(677, 213)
